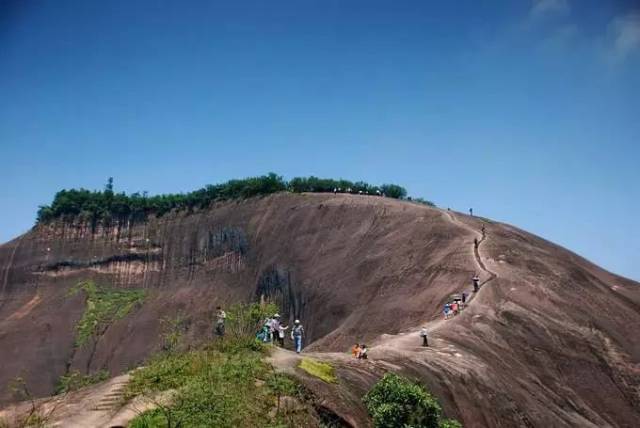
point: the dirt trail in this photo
(409, 341)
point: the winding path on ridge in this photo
(409, 341)
(405, 343)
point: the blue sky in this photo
(528, 111)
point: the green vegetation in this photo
(37, 415)
(318, 369)
(243, 321)
(75, 380)
(225, 384)
(104, 307)
(423, 201)
(107, 207)
(396, 402)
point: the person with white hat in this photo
(296, 335)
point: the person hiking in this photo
(363, 353)
(274, 328)
(447, 310)
(296, 335)
(266, 327)
(454, 308)
(221, 316)
(423, 335)
(464, 299)
(355, 351)
(476, 283)
(484, 231)
(475, 243)
(281, 330)
(265, 331)
(471, 212)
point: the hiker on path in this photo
(483, 231)
(296, 335)
(475, 243)
(274, 327)
(221, 316)
(464, 299)
(447, 310)
(281, 330)
(471, 212)
(423, 335)
(265, 331)
(454, 308)
(476, 283)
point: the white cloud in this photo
(624, 37)
(542, 8)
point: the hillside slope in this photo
(550, 341)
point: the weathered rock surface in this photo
(551, 341)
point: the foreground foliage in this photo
(108, 208)
(396, 402)
(225, 384)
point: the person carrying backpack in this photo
(296, 335)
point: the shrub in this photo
(244, 321)
(396, 402)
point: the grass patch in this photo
(104, 307)
(225, 384)
(323, 371)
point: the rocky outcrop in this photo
(551, 341)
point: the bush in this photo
(244, 321)
(396, 402)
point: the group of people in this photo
(360, 192)
(459, 301)
(274, 331)
(360, 351)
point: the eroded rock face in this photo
(552, 341)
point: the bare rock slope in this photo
(550, 339)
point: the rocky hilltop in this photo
(549, 340)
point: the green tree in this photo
(394, 191)
(396, 402)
